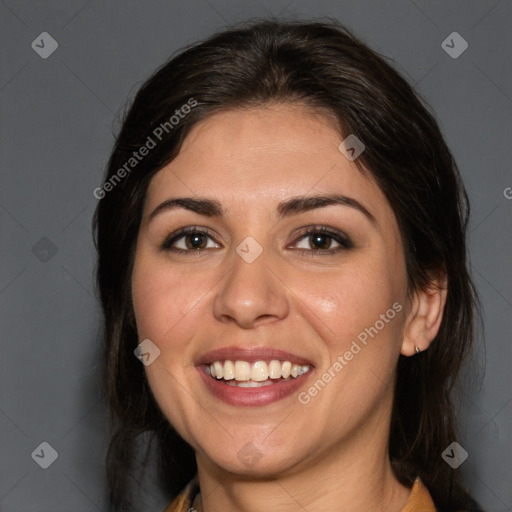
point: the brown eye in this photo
(189, 239)
(196, 241)
(320, 241)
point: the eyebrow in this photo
(293, 206)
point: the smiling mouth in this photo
(245, 374)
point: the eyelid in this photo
(339, 236)
(180, 233)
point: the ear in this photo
(425, 316)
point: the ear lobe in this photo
(425, 317)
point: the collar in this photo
(419, 499)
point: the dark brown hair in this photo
(322, 66)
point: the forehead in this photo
(260, 156)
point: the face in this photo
(264, 277)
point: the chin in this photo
(252, 461)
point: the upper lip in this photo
(250, 355)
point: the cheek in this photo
(358, 313)
(162, 299)
(166, 305)
(345, 302)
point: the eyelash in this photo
(342, 239)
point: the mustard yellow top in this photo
(419, 499)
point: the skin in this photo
(330, 454)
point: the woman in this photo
(281, 238)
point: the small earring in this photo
(417, 349)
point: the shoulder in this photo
(183, 502)
(419, 499)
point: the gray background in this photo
(57, 117)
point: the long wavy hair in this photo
(320, 65)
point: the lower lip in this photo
(252, 397)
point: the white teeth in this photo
(286, 369)
(259, 372)
(217, 365)
(252, 384)
(274, 369)
(242, 370)
(229, 370)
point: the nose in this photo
(251, 294)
